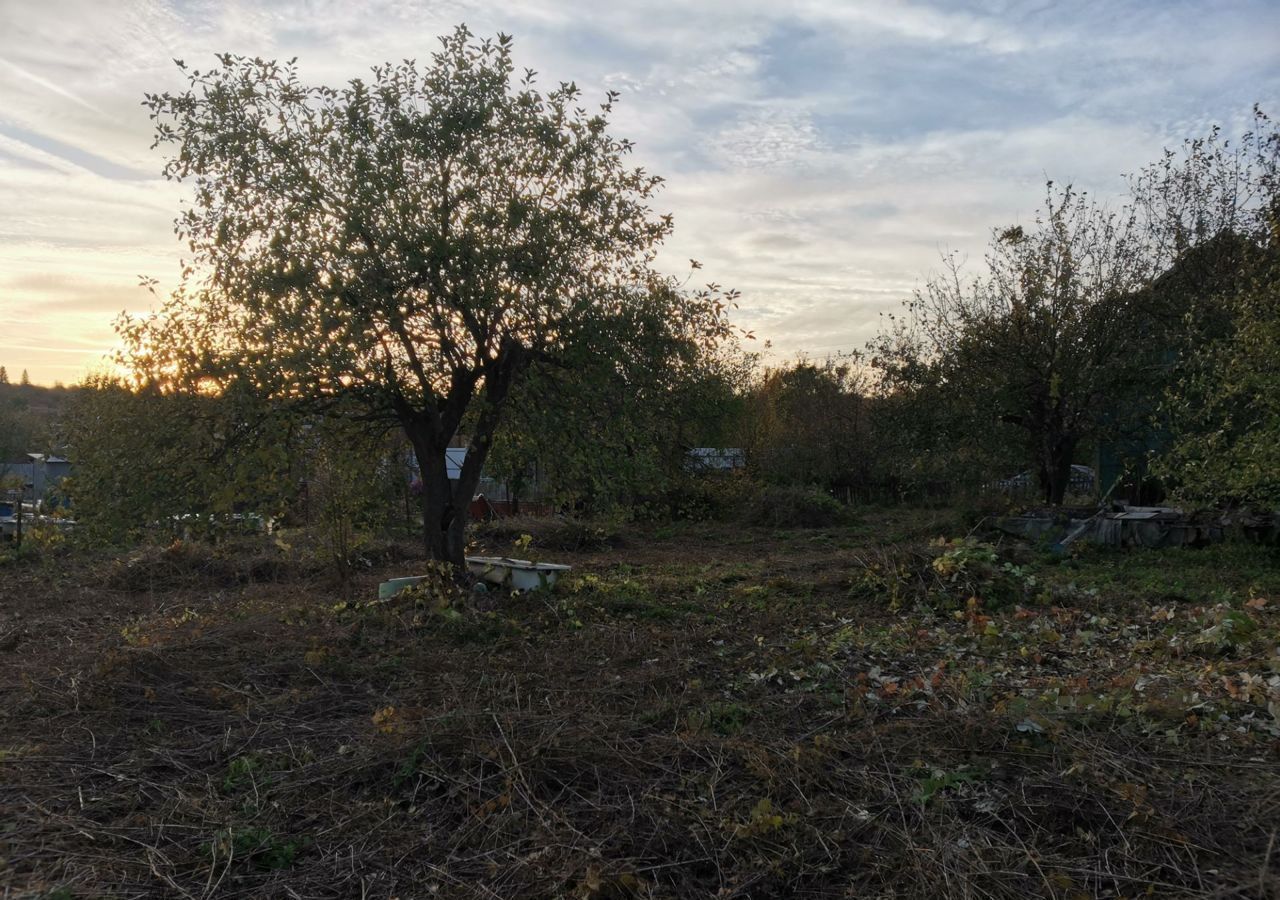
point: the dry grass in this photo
(700, 711)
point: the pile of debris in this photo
(1121, 525)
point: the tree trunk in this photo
(438, 510)
(446, 506)
(1059, 451)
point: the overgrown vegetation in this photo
(887, 709)
(1146, 326)
(1143, 333)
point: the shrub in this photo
(970, 568)
(792, 507)
(564, 533)
(190, 563)
(946, 575)
(718, 496)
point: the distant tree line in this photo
(24, 379)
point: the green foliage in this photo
(961, 574)
(809, 424)
(1207, 575)
(1214, 210)
(972, 568)
(1078, 326)
(18, 436)
(1029, 353)
(241, 772)
(722, 718)
(609, 429)
(265, 848)
(620, 596)
(172, 459)
(412, 245)
(12, 554)
(1225, 630)
(763, 821)
(939, 781)
(349, 490)
(703, 497)
(44, 539)
(1225, 411)
(436, 592)
(793, 506)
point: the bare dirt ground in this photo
(698, 710)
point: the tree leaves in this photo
(416, 242)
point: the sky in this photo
(820, 155)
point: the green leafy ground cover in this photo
(885, 709)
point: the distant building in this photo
(716, 459)
(37, 472)
(454, 457)
(492, 497)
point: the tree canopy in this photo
(1043, 341)
(412, 244)
(1214, 208)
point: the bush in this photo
(192, 563)
(702, 497)
(971, 568)
(945, 575)
(794, 507)
(549, 533)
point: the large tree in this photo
(808, 424)
(1043, 342)
(1213, 209)
(413, 243)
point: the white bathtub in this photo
(518, 574)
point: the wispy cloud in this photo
(820, 155)
(48, 85)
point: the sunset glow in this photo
(819, 156)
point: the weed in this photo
(763, 820)
(782, 507)
(939, 781)
(262, 846)
(722, 718)
(241, 771)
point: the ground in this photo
(698, 710)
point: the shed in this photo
(716, 459)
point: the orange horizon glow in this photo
(811, 163)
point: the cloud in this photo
(774, 138)
(820, 155)
(49, 86)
